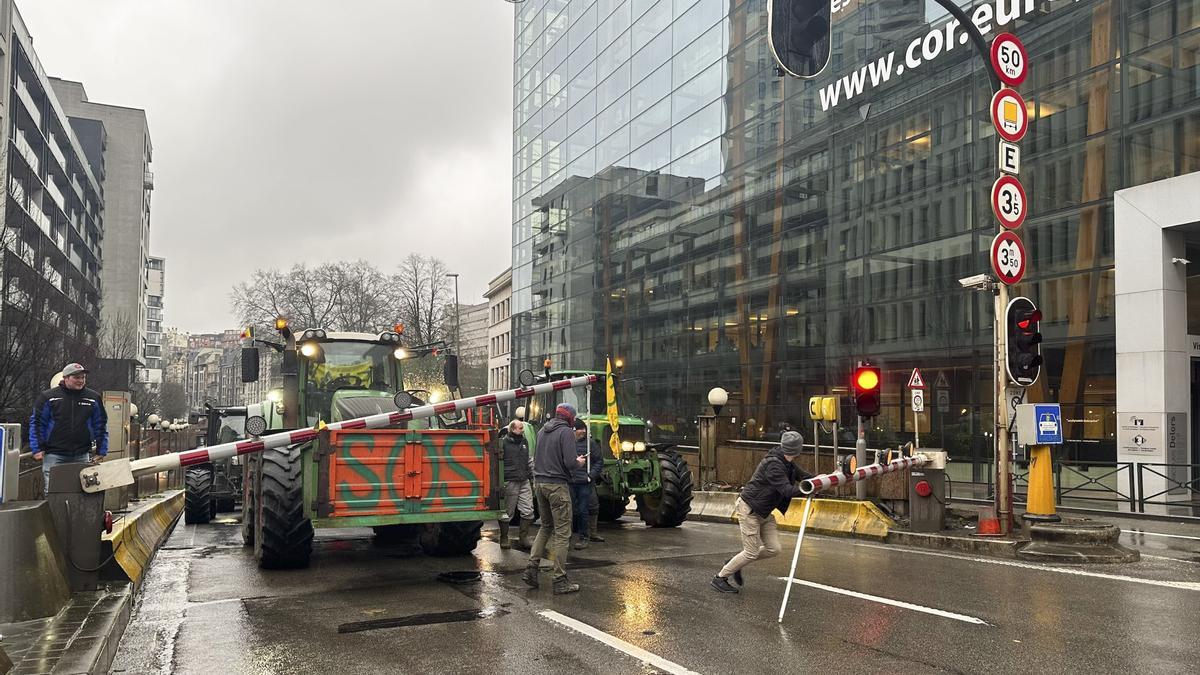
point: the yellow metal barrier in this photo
(138, 535)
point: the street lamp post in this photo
(457, 315)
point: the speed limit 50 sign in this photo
(1009, 59)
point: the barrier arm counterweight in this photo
(121, 472)
(811, 486)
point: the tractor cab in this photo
(344, 375)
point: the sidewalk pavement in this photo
(81, 638)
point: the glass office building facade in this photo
(679, 204)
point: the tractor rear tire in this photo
(250, 481)
(670, 506)
(283, 537)
(450, 539)
(611, 510)
(197, 495)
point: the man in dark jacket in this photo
(518, 495)
(67, 421)
(552, 466)
(772, 486)
(583, 483)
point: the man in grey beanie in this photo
(772, 486)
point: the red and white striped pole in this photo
(112, 474)
(827, 480)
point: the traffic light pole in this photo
(1003, 451)
(860, 459)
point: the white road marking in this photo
(1165, 557)
(1182, 585)
(888, 601)
(1161, 534)
(616, 643)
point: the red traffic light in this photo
(866, 383)
(866, 379)
(1029, 319)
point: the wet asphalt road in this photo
(207, 608)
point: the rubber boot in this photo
(593, 525)
(523, 541)
(562, 586)
(530, 577)
(504, 541)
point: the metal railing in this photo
(1127, 486)
(1186, 488)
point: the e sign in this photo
(1009, 156)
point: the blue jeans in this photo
(53, 459)
(581, 495)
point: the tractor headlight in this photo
(275, 395)
(400, 353)
(256, 425)
(639, 447)
(626, 446)
(309, 349)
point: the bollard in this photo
(79, 520)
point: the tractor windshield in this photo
(351, 365)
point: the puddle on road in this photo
(425, 619)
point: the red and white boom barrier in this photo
(123, 471)
(827, 480)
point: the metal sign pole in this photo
(787, 591)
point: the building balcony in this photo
(26, 97)
(148, 180)
(52, 143)
(26, 151)
(57, 195)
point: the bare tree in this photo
(425, 298)
(118, 337)
(345, 296)
(368, 301)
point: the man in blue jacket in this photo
(552, 466)
(67, 422)
(772, 486)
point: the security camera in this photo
(1180, 261)
(978, 282)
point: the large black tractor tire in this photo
(669, 506)
(282, 535)
(450, 539)
(197, 495)
(250, 480)
(611, 510)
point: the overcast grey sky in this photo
(298, 130)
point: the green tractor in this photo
(653, 473)
(432, 479)
(215, 487)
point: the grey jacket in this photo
(555, 457)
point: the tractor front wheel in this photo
(197, 496)
(669, 506)
(611, 510)
(449, 539)
(282, 535)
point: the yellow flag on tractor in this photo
(610, 391)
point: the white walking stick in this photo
(787, 591)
